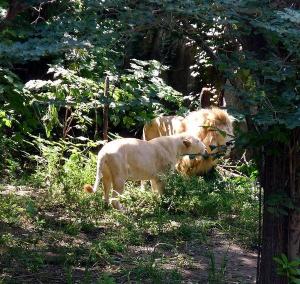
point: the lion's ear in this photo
(187, 143)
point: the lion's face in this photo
(213, 127)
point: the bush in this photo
(63, 165)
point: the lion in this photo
(134, 159)
(163, 126)
(213, 126)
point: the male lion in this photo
(213, 126)
(135, 159)
(163, 126)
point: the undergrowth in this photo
(61, 227)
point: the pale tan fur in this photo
(204, 124)
(163, 126)
(134, 159)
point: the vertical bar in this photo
(105, 109)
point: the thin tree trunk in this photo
(96, 133)
(105, 109)
(67, 122)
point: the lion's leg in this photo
(118, 188)
(106, 188)
(107, 183)
(157, 185)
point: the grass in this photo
(217, 274)
(60, 233)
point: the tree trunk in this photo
(274, 177)
(281, 233)
(294, 217)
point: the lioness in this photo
(135, 159)
(212, 125)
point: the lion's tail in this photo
(100, 163)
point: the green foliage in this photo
(10, 164)
(133, 98)
(102, 250)
(63, 164)
(15, 121)
(68, 103)
(70, 93)
(141, 95)
(10, 98)
(14, 209)
(265, 71)
(149, 270)
(105, 279)
(223, 200)
(269, 80)
(287, 268)
(13, 111)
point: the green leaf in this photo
(278, 260)
(295, 263)
(7, 122)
